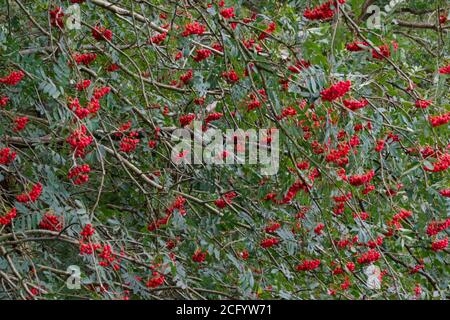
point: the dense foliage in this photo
(359, 208)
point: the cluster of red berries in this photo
(79, 141)
(178, 204)
(158, 223)
(435, 227)
(442, 164)
(339, 206)
(383, 51)
(129, 144)
(199, 256)
(269, 30)
(88, 248)
(31, 196)
(244, 254)
(7, 218)
(186, 119)
(51, 222)
(13, 78)
(287, 112)
(319, 228)
(227, 13)
(75, 106)
(380, 145)
(293, 190)
(272, 227)
(355, 104)
(445, 70)
(373, 244)
(308, 265)
(187, 77)
(101, 92)
(324, 11)
(359, 180)
(158, 39)
(156, 281)
(85, 58)
(101, 33)
(80, 173)
(336, 91)
(369, 257)
(400, 216)
(439, 245)
(193, 28)
(83, 85)
(225, 200)
(269, 242)
(108, 256)
(4, 101)
(423, 104)
(230, 76)
(379, 53)
(251, 44)
(56, 17)
(87, 232)
(113, 67)
(213, 117)
(93, 106)
(6, 156)
(344, 243)
(201, 54)
(253, 101)
(439, 120)
(357, 46)
(21, 123)
(339, 155)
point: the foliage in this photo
(363, 176)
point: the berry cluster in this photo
(201, 54)
(4, 101)
(101, 33)
(370, 256)
(84, 58)
(56, 17)
(7, 156)
(7, 218)
(336, 91)
(308, 265)
(186, 119)
(21, 123)
(13, 78)
(31, 196)
(355, 104)
(193, 28)
(80, 174)
(230, 76)
(79, 141)
(423, 104)
(225, 200)
(439, 120)
(269, 242)
(158, 39)
(227, 13)
(129, 143)
(324, 11)
(51, 222)
(359, 180)
(199, 256)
